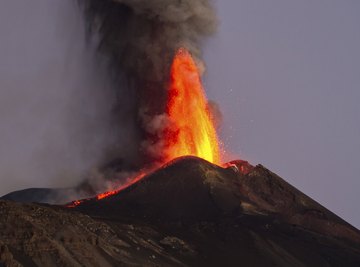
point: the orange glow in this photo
(191, 130)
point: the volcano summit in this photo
(187, 213)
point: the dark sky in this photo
(285, 73)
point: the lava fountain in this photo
(191, 130)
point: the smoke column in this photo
(140, 38)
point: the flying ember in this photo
(192, 131)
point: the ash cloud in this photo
(140, 37)
(73, 116)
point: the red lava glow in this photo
(192, 131)
(75, 203)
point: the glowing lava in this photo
(192, 130)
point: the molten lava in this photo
(191, 130)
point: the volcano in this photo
(180, 205)
(190, 212)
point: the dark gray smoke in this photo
(140, 38)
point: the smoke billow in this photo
(140, 37)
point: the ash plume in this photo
(139, 38)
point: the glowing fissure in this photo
(113, 192)
(191, 131)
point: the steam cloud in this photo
(140, 38)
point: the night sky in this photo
(286, 75)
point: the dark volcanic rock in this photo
(188, 213)
(194, 189)
(36, 235)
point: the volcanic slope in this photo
(188, 213)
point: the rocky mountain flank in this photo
(188, 213)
